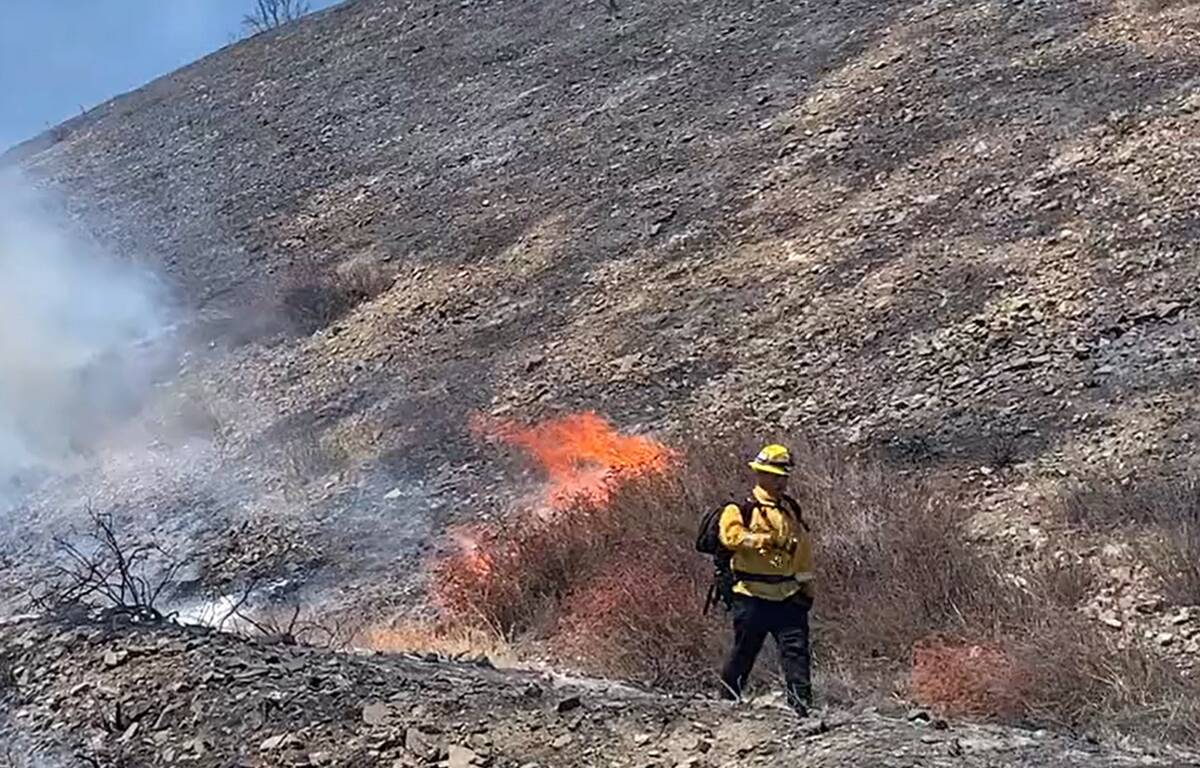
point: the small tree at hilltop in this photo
(269, 14)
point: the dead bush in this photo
(894, 558)
(313, 297)
(282, 624)
(103, 571)
(269, 14)
(640, 621)
(1162, 516)
(1173, 553)
(309, 456)
(1079, 677)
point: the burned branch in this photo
(289, 628)
(269, 14)
(106, 572)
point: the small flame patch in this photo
(584, 457)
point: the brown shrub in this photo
(958, 679)
(1162, 515)
(511, 577)
(894, 566)
(641, 621)
(1083, 678)
(314, 297)
(895, 563)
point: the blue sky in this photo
(59, 55)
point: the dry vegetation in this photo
(103, 571)
(907, 604)
(314, 297)
(1161, 515)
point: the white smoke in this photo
(72, 320)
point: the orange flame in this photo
(583, 455)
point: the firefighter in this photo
(773, 580)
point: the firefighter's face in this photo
(772, 484)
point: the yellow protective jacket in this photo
(776, 545)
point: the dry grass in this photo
(452, 642)
(311, 456)
(313, 298)
(1162, 515)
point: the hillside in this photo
(921, 225)
(955, 236)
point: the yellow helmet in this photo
(774, 460)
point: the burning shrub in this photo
(511, 577)
(584, 458)
(605, 564)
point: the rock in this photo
(197, 746)
(279, 742)
(1110, 620)
(114, 659)
(569, 704)
(814, 728)
(562, 742)
(1150, 606)
(1166, 639)
(461, 757)
(377, 713)
(420, 744)
(393, 494)
(642, 739)
(320, 758)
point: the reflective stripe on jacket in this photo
(776, 547)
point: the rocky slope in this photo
(104, 696)
(923, 224)
(959, 232)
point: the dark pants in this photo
(787, 622)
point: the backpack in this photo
(708, 542)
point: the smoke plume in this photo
(77, 328)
